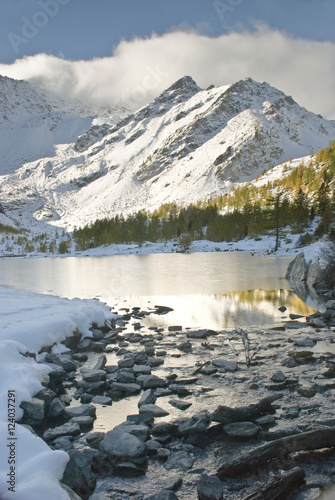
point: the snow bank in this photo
(28, 322)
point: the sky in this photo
(126, 52)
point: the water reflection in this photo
(218, 311)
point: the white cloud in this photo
(140, 69)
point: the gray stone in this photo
(125, 377)
(192, 426)
(123, 445)
(153, 445)
(56, 408)
(66, 362)
(99, 496)
(141, 431)
(93, 375)
(84, 422)
(151, 381)
(126, 363)
(304, 342)
(278, 377)
(148, 397)
(163, 453)
(243, 430)
(70, 428)
(330, 304)
(155, 410)
(81, 411)
(33, 410)
(154, 362)
(78, 473)
(199, 334)
(209, 488)
(46, 395)
(228, 366)
(172, 483)
(142, 369)
(179, 460)
(317, 323)
(125, 389)
(80, 356)
(101, 400)
(101, 363)
(62, 443)
(185, 346)
(181, 405)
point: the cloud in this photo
(140, 69)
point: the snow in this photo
(165, 152)
(28, 322)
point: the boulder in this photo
(179, 460)
(126, 363)
(101, 400)
(78, 473)
(122, 445)
(242, 430)
(198, 334)
(151, 381)
(56, 408)
(101, 363)
(68, 429)
(209, 488)
(181, 405)
(81, 411)
(148, 397)
(228, 366)
(156, 411)
(93, 375)
(125, 377)
(33, 411)
(172, 483)
(163, 495)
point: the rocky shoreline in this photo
(203, 398)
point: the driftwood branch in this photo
(278, 449)
(280, 486)
(245, 339)
(201, 367)
(226, 414)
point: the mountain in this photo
(186, 145)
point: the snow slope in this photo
(188, 144)
(28, 322)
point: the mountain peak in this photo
(182, 90)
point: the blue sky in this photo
(125, 52)
(83, 29)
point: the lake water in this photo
(212, 290)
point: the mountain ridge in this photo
(187, 144)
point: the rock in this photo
(154, 362)
(85, 422)
(93, 375)
(302, 357)
(209, 488)
(78, 474)
(317, 322)
(244, 430)
(192, 426)
(198, 334)
(101, 363)
(148, 397)
(46, 395)
(94, 438)
(92, 387)
(282, 309)
(33, 411)
(66, 362)
(181, 405)
(179, 460)
(163, 453)
(144, 418)
(69, 429)
(125, 377)
(228, 366)
(126, 363)
(124, 389)
(81, 411)
(58, 373)
(278, 377)
(300, 270)
(62, 443)
(162, 309)
(180, 390)
(56, 408)
(176, 328)
(304, 342)
(307, 391)
(330, 304)
(141, 431)
(153, 445)
(185, 346)
(172, 483)
(99, 496)
(80, 356)
(155, 410)
(122, 445)
(142, 369)
(151, 381)
(102, 400)
(208, 370)
(164, 428)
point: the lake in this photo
(212, 290)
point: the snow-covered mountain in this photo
(186, 145)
